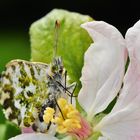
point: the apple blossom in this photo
(102, 80)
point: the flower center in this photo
(68, 120)
(48, 114)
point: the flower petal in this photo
(103, 69)
(124, 120)
(27, 130)
(33, 136)
(133, 41)
(120, 125)
(103, 138)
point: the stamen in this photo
(71, 119)
(48, 114)
(73, 124)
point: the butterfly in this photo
(27, 88)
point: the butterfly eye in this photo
(60, 70)
(54, 68)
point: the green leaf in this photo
(2, 118)
(11, 130)
(2, 131)
(73, 41)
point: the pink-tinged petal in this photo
(81, 133)
(120, 125)
(133, 41)
(27, 130)
(33, 136)
(104, 65)
(123, 122)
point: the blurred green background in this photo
(13, 45)
(16, 17)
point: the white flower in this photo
(33, 136)
(104, 66)
(102, 79)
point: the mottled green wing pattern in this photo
(23, 91)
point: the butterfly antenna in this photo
(59, 109)
(57, 26)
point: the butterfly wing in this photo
(23, 90)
